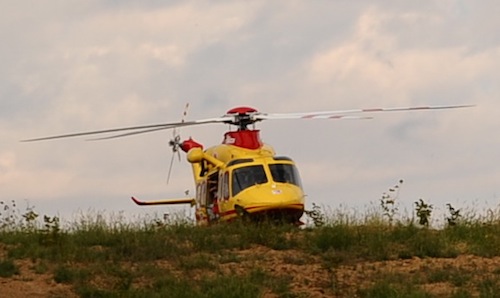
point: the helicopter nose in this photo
(271, 196)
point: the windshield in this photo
(285, 173)
(248, 176)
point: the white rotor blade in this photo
(338, 114)
(130, 133)
(142, 128)
(343, 117)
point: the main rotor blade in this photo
(145, 128)
(338, 114)
(129, 134)
(174, 133)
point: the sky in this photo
(71, 66)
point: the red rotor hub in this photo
(241, 110)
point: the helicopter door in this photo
(211, 197)
(224, 204)
(213, 181)
(202, 193)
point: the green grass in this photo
(98, 258)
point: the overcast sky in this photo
(83, 65)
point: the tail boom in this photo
(190, 201)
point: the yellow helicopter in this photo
(242, 177)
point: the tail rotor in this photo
(175, 143)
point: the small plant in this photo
(8, 268)
(317, 216)
(51, 224)
(64, 274)
(8, 215)
(454, 216)
(388, 202)
(40, 267)
(11, 219)
(50, 234)
(424, 211)
(30, 217)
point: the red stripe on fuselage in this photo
(283, 207)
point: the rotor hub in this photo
(241, 110)
(242, 117)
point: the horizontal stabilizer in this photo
(190, 201)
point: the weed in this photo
(64, 274)
(50, 234)
(246, 286)
(380, 290)
(338, 237)
(30, 217)
(489, 288)
(456, 277)
(387, 289)
(280, 285)
(40, 267)
(51, 225)
(12, 220)
(424, 211)
(461, 293)
(198, 261)
(89, 291)
(429, 243)
(388, 201)
(229, 257)
(296, 260)
(8, 268)
(8, 216)
(454, 216)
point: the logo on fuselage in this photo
(229, 140)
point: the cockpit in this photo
(245, 177)
(279, 171)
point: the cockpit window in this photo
(247, 176)
(285, 173)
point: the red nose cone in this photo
(241, 110)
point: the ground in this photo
(308, 275)
(28, 283)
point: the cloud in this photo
(374, 59)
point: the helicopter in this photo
(241, 178)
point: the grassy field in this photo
(340, 255)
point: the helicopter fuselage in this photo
(242, 177)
